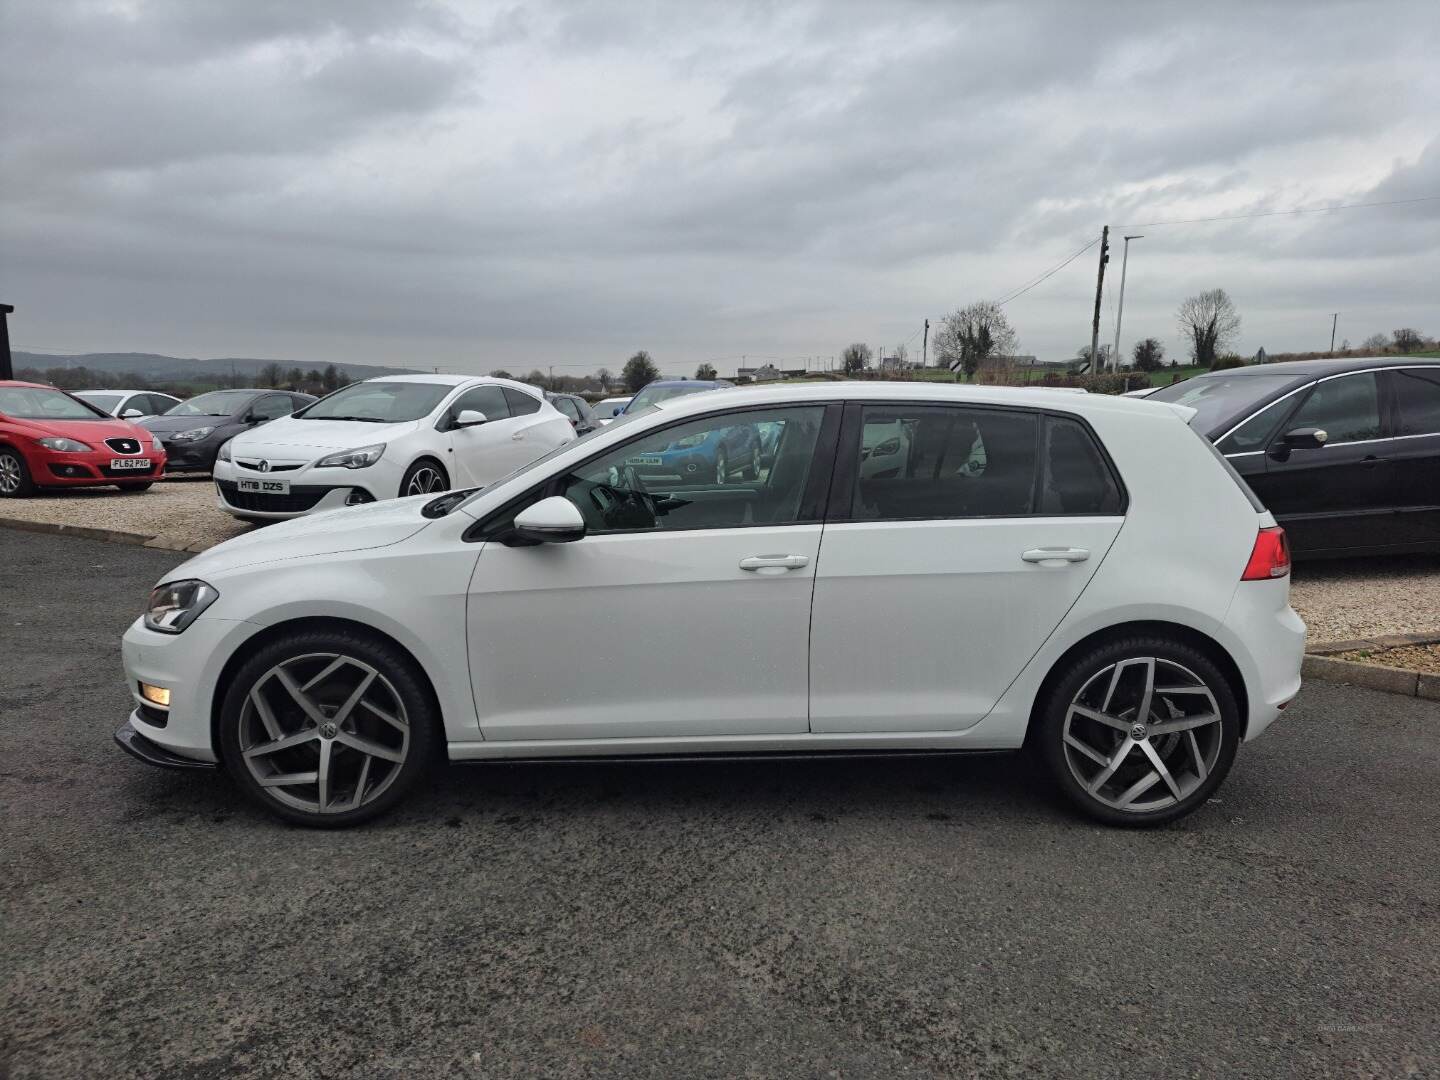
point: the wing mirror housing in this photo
(1306, 438)
(130, 414)
(469, 418)
(555, 520)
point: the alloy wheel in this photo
(324, 733)
(9, 474)
(722, 467)
(424, 481)
(1142, 734)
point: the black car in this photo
(1344, 453)
(577, 410)
(194, 430)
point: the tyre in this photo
(328, 728)
(722, 466)
(1139, 731)
(425, 476)
(15, 482)
(136, 487)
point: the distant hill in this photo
(158, 368)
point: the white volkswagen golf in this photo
(383, 438)
(1082, 574)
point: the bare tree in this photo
(1149, 355)
(856, 358)
(1210, 322)
(1375, 343)
(974, 334)
(706, 371)
(603, 377)
(271, 374)
(1408, 339)
(900, 355)
(1082, 355)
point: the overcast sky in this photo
(474, 186)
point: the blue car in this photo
(717, 456)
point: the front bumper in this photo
(51, 468)
(311, 490)
(142, 749)
(192, 456)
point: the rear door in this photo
(1415, 453)
(1339, 496)
(956, 540)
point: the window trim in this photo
(813, 497)
(845, 473)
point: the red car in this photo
(50, 439)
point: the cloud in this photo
(567, 181)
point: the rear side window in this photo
(566, 406)
(1077, 479)
(1419, 395)
(521, 403)
(935, 462)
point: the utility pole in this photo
(1120, 311)
(1334, 322)
(552, 378)
(1099, 286)
(925, 346)
(7, 367)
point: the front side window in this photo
(272, 407)
(1347, 409)
(934, 462)
(43, 403)
(380, 401)
(1418, 390)
(489, 400)
(710, 473)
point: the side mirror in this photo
(129, 414)
(550, 521)
(469, 418)
(1306, 438)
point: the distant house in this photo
(768, 373)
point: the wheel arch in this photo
(321, 623)
(1187, 635)
(427, 454)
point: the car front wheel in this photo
(424, 478)
(328, 728)
(15, 479)
(1140, 731)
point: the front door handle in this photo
(517, 436)
(773, 564)
(1055, 556)
(1370, 461)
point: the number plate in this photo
(644, 459)
(130, 463)
(265, 487)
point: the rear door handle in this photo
(1055, 556)
(773, 564)
(1370, 460)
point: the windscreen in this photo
(42, 403)
(652, 395)
(102, 401)
(215, 403)
(1217, 399)
(379, 402)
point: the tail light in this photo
(1270, 557)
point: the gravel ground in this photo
(1347, 599)
(1424, 658)
(916, 918)
(179, 510)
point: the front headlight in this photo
(155, 442)
(65, 446)
(223, 454)
(176, 604)
(193, 435)
(362, 458)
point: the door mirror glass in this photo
(550, 521)
(469, 418)
(1306, 438)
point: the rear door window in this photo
(1418, 392)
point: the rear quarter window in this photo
(1076, 476)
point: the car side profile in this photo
(577, 410)
(129, 404)
(1344, 453)
(385, 438)
(51, 439)
(606, 409)
(1078, 574)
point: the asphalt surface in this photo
(918, 918)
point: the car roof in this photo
(1061, 399)
(116, 390)
(1299, 368)
(30, 385)
(713, 383)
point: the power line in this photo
(1279, 213)
(1053, 270)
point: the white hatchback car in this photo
(387, 437)
(1078, 572)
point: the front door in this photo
(957, 539)
(1338, 496)
(482, 453)
(684, 611)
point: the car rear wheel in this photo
(15, 479)
(1140, 731)
(425, 477)
(328, 729)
